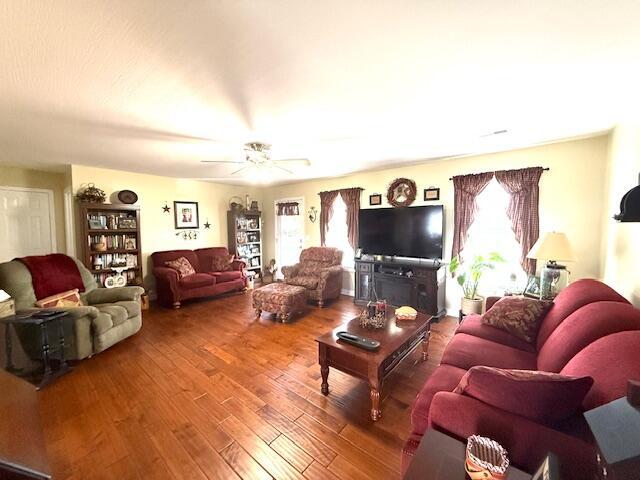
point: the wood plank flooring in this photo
(208, 391)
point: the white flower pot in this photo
(469, 306)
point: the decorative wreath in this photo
(92, 194)
(402, 192)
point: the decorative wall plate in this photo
(402, 192)
(127, 196)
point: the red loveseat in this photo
(172, 290)
(590, 331)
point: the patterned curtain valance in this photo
(288, 208)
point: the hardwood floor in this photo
(208, 391)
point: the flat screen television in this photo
(403, 232)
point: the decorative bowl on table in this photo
(406, 313)
(486, 459)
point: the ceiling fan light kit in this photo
(257, 156)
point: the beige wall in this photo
(25, 178)
(620, 259)
(583, 172)
(570, 195)
(157, 227)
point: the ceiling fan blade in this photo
(240, 170)
(221, 161)
(303, 161)
(212, 179)
(275, 165)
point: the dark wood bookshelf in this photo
(239, 234)
(88, 236)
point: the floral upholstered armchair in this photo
(319, 271)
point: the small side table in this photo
(440, 457)
(45, 321)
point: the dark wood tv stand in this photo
(417, 283)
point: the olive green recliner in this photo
(109, 314)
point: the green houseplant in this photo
(469, 276)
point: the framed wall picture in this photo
(375, 199)
(186, 215)
(431, 194)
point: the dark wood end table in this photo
(441, 457)
(49, 326)
(397, 340)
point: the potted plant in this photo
(469, 279)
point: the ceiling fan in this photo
(258, 155)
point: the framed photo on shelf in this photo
(431, 194)
(96, 224)
(532, 290)
(127, 222)
(375, 199)
(186, 215)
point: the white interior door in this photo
(26, 222)
(289, 236)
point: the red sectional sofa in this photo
(172, 290)
(590, 331)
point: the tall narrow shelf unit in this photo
(244, 230)
(110, 238)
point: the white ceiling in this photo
(156, 86)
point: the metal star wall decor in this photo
(166, 208)
(207, 224)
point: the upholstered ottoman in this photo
(280, 298)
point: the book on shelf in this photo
(115, 221)
(120, 241)
(130, 275)
(113, 260)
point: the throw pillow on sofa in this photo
(519, 316)
(182, 266)
(70, 298)
(221, 263)
(541, 396)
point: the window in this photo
(337, 234)
(491, 232)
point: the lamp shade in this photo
(552, 246)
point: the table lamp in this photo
(552, 247)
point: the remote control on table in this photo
(358, 341)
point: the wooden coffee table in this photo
(397, 340)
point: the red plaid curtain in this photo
(522, 186)
(326, 211)
(466, 189)
(288, 209)
(351, 198)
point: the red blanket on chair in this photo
(52, 274)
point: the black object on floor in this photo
(47, 324)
